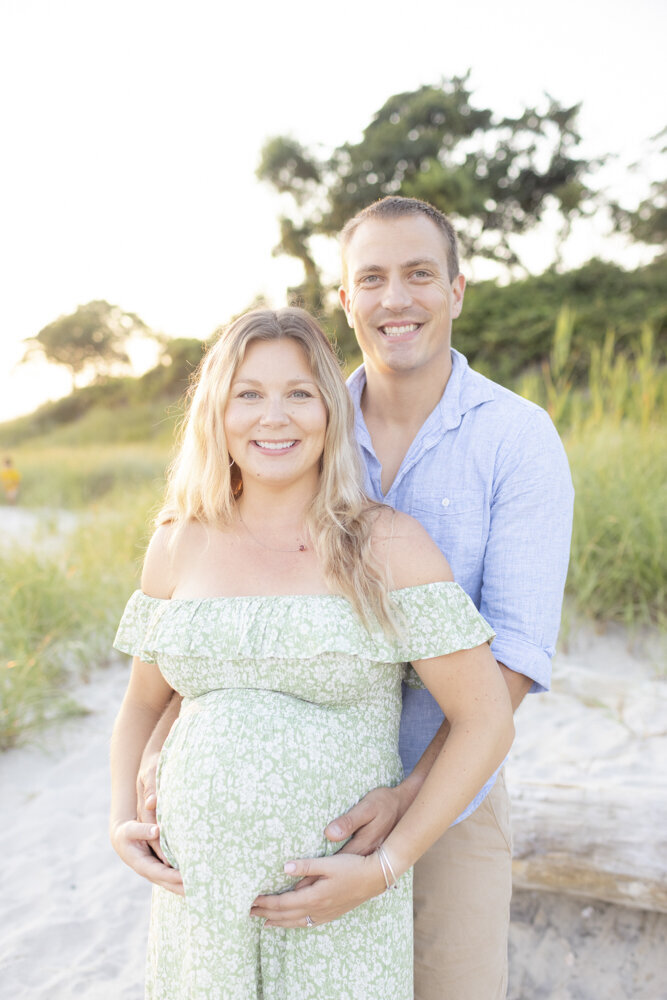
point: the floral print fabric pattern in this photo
(290, 715)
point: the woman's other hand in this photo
(341, 883)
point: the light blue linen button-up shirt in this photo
(488, 478)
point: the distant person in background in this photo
(11, 481)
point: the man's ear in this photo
(345, 302)
(458, 291)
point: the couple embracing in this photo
(348, 592)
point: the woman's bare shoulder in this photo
(412, 556)
(156, 576)
(165, 554)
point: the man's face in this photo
(398, 295)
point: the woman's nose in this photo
(274, 413)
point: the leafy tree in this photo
(495, 177)
(648, 222)
(91, 339)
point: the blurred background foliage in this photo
(588, 344)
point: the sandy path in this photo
(74, 920)
(24, 526)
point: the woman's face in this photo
(275, 419)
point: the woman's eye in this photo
(301, 394)
(249, 394)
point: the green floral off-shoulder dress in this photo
(290, 715)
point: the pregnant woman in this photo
(286, 608)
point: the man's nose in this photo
(396, 294)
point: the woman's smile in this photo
(275, 445)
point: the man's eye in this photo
(369, 279)
(421, 274)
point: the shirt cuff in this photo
(526, 658)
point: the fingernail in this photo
(335, 829)
(289, 868)
(154, 831)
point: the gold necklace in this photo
(301, 548)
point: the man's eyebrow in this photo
(416, 262)
(368, 269)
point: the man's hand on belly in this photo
(134, 842)
(147, 796)
(371, 821)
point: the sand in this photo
(73, 922)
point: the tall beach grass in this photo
(615, 435)
(60, 600)
(76, 477)
(618, 564)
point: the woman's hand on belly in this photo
(341, 883)
(132, 842)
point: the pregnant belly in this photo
(249, 779)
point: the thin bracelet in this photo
(388, 863)
(386, 867)
(384, 870)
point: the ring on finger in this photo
(309, 921)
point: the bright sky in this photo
(131, 133)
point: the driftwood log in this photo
(604, 842)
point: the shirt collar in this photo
(465, 390)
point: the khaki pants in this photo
(462, 892)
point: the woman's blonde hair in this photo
(204, 484)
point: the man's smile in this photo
(399, 329)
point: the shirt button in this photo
(445, 502)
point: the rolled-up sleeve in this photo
(528, 548)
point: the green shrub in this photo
(504, 330)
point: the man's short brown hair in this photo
(395, 207)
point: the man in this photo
(485, 473)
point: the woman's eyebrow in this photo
(300, 379)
